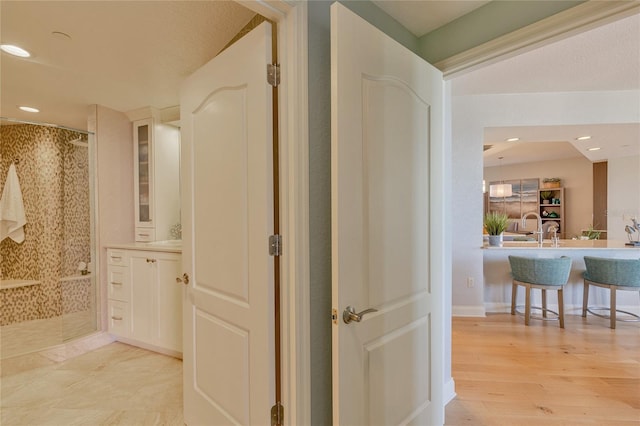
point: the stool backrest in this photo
(553, 271)
(622, 272)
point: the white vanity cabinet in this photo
(156, 150)
(144, 300)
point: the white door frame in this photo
(291, 18)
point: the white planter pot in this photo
(495, 240)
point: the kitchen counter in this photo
(565, 244)
(497, 273)
(172, 246)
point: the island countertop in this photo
(565, 244)
(497, 272)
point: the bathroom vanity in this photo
(144, 300)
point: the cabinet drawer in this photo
(118, 284)
(145, 234)
(116, 257)
(119, 318)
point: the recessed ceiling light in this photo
(29, 109)
(593, 149)
(583, 138)
(14, 50)
(513, 139)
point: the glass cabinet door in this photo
(144, 213)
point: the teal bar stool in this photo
(614, 274)
(540, 273)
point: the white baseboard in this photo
(467, 311)
(449, 391)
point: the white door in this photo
(225, 112)
(387, 117)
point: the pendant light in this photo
(502, 189)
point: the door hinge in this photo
(273, 74)
(277, 414)
(275, 245)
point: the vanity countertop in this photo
(173, 246)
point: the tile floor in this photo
(116, 384)
(30, 336)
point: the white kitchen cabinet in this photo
(156, 151)
(145, 302)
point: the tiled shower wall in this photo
(54, 178)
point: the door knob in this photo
(184, 280)
(350, 314)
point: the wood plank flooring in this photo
(509, 374)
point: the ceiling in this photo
(127, 55)
(606, 58)
(123, 55)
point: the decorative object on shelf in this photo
(553, 214)
(553, 182)
(591, 233)
(502, 189)
(630, 229)
(495, 224)
(546, 196)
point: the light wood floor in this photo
(509, 374)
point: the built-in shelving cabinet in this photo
(553, 208)
(144, 301)
(156, 151)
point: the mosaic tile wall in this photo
(54, 178)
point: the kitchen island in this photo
(497, 273)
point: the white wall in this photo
(115, 217)
(471, 114)
(623, 195)
(577, 180)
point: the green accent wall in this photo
(486, 23)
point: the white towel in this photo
(12, 217)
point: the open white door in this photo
(227, 217)
(387, 117)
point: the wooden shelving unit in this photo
(554, 210)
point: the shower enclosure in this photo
(47, 288)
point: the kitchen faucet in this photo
(539, 231)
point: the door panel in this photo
(221, 169)
(227, 219)
(387, 116)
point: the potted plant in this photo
(591, 233)
(495, 224)
(553, 182)
(546, 196)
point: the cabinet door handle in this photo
(116, 257)
(115, 283)
(151, 260)
(184, 280)
(113, 317)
